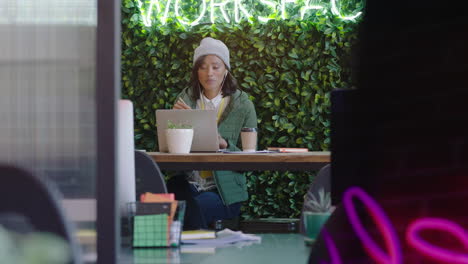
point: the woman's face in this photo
(211, 73)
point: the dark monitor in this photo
(347, 141)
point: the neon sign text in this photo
(392, 244)
(230, 10)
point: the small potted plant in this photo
(179, 137)
(317, 209)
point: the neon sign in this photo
(383, 225)
(231, 10)
(437, 253)
(332, 250)
(392, 244)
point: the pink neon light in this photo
(332, 250)
(383, 224)
(438, 253)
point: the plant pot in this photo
(179, 140)
(313, 223)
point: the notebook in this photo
(205, 128)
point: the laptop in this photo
(205, 128)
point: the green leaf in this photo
(135, 18)
(277, 101)
(282, 139)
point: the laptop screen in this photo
(205, 129)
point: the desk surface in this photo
(242, 162)
(274, 248)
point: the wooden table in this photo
(242, 162)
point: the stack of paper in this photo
(224, 237)
(198, 234)
(287, 150)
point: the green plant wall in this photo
(287, 66)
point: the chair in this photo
(322, 180)
(149, 177)
(35, 205)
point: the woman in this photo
(214, 195)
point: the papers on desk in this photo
(223, 238)
(211, 249)
(244, 152)
(288, 150)
(198, 234)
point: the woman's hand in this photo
(222, 142)
(180, 104)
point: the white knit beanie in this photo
(211, 46)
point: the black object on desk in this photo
(270, 225)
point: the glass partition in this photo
(47, 100)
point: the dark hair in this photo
(229, 85)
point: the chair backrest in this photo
(149, 177)
(25, 195)
(322, 180)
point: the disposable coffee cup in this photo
(249, 139)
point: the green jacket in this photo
(239, 113)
